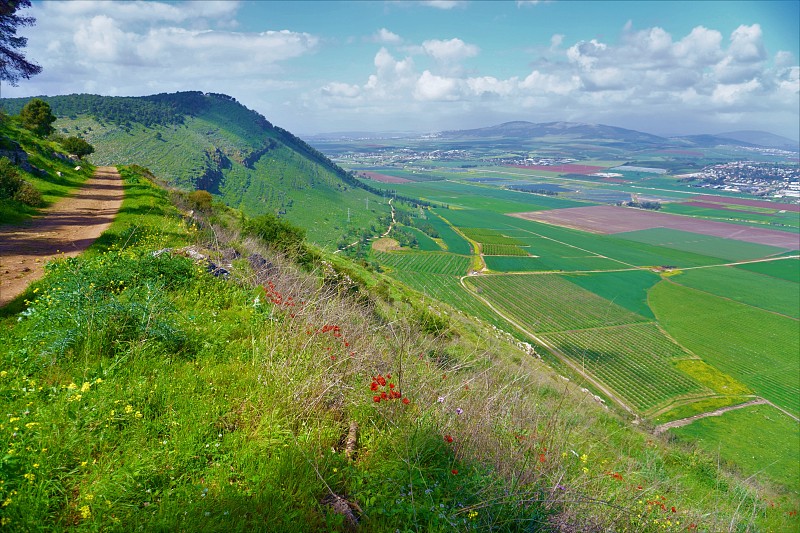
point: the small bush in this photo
(12, 186)
(201, 200)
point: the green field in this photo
(756, 347)
(752, 216)
(489, 236)
(760, 441)
(455, 243)
(758, 290)
(633, 360)
(627, 289)
(548, 303)
(788, 269)
(425, 262)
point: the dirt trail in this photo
(688, 420)
(66, 228)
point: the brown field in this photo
(612, 219)
(795, 208)
(384, 178)
(571, 169)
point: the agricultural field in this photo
(503, 249)
(635, 361)
(757, 347)
(425, 262)
(765, 292)
(545, 303)
(455, 243)
(753, 439)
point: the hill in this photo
(553, 131)
(762, 138)
(209, 141)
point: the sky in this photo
(667, 68)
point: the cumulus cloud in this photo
(650, 70)
(443, 4)
(144, 47)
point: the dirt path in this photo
(688, 420)
(66, 228)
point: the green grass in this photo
(758, 290)
(729, 249)
(755, 347)
(761, 441)
(751, 216)
(626, 289)
(549, 303)
(488, 236)
(633, 360)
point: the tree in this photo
(13, 65)
(38, 117)
(77, 146)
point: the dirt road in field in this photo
(688, 420)
(65, 229)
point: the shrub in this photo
(77, 146)
(200, 200)
(12, 186)
(38, 117)
(277, 233)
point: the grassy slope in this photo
(209, 148)
(143, 392)
(40, 154)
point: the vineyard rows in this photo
(503, 249)
(547, 303)
(489, 236)
(634, 360)
(425, 262)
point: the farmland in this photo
(670, 313)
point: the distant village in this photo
(772, 180)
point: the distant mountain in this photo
(209, 141)
(761, 138)
(552, 131)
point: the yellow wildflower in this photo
(85, 386)
(72, 386)
(85, 512)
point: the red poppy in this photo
(406, 401)
(381, 381)
(541, 458)
(448, 438)
(376, 399)
(454, 472)
(373, 386)
(673, 510)
(391, 385)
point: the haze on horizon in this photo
(667, 68)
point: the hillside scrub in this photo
(182, 375)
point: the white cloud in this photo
(452, 50)
(385, 36)
(432, 87)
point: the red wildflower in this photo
(383, 395)
(541, 457)
(406, 401)
(376, 399)
(333, 358)
(373, 386)
(388, 376)
(448, 438)
(381, 381)
(673, 510)
(391, 385)
(454, 472)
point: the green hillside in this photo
(210, 141)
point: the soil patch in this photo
(65, 229)
(385, 244)
(384, 178)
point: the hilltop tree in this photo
(13, 65)
(38, 117)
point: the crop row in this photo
(489, 236)
(503, 249)
(547, 303)
(634, 360)
(425, 262)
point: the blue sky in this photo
(312, 67)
